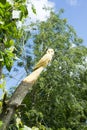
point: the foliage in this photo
(10, 35)
(58, 101)
(12, 38)
(1, 123)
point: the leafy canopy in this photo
(10, 35)
(58, 100)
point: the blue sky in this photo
(76, 14)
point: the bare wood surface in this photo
(18, 97)
(22, 90)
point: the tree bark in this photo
(17, 97)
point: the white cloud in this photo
(41, 13)
(72, 2)
(39, 5)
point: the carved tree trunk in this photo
(18, 97)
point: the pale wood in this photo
(21, 91)
(18, 96)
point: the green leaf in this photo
(1, 86)
(1, 123)
(25, 128)
(33, 9)
(24, 11)
(3, 1)
(1, 59)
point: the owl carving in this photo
(44, 61)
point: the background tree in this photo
(58, 100)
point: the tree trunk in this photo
(17, 98)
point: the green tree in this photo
(12, 39)
(10, 35)
(58, 100)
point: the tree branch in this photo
(18, 97)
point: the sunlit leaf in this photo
(33, 9)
